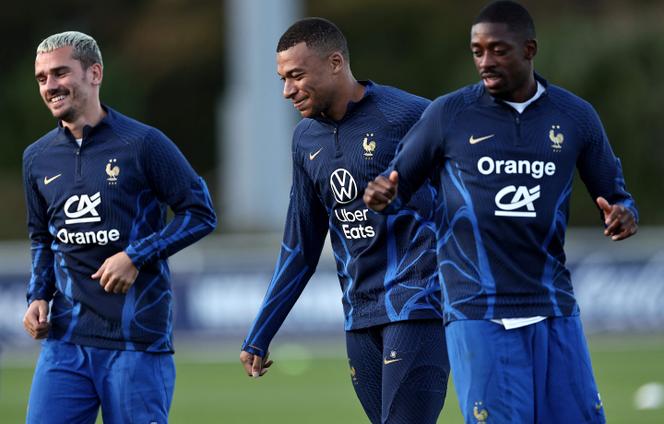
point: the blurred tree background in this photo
(164, 65)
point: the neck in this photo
(525, 92)
(91, 117)
(349, 91)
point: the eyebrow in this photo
(53, 71)
(293, 71)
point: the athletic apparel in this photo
(399, 371)
(386, 264)
(88, 203)
(72, 381)
(504, 185)
(540, 373)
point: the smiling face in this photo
(68, 90)
(309, 79)
(504, 61)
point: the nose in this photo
(486, 61)
(51, 83)
(289, 89)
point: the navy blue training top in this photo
(109, 195)
(505, 181)
(386, 264)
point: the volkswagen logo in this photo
(343, 186)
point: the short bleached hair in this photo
(85, 48)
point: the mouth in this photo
(57, 99)
(299, 104)
(491, 79)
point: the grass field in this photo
(312, 388)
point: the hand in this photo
(619, 220)
(35, 320)
(381, 191)
(254, 365)
(116, 274)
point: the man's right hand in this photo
(255, 366)
(381, 191)
(35, 320)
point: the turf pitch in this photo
(315, 388)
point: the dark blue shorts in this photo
(400, 371)
(539, 373)
(72, 381)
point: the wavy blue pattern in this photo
(284, 294)
(412, 256)
(478, 273)
(342, 271)
(553, 267)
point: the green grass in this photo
(317, 389)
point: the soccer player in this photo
(97, 187)
(386, 265)
(505, 151)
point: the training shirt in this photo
(505, 181)
(386, 264)
(109, 195)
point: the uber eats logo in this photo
(344, 190)
(80, 210)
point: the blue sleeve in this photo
(42, 279)
(600, 169)
(304, 236)
(418, 154)
(175, 183)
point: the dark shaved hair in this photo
(513, 14)
(319, 34)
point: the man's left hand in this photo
(619, 220)
(116, 274)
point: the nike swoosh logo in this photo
(390, 361)
(312, 156)
(473, 140)
(49, 180)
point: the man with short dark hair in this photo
(505, 153)
(386, 265)
(97, 189)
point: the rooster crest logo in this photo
(112, 171)
(353, 373)
(556, 139)
(369, 146)
(480, 414)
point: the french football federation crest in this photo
(480, 413)
(112, 171)
(556, 139)
(369, 146)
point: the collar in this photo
(353, 107)
(107, 121)
(488, 100)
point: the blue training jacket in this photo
(88, 203)
(386, 265)
(505, 181)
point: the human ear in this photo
(336, 61)
(97, 73)
(530, 49)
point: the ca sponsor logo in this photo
(85, 209)
(343, 186)
(522, 198)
